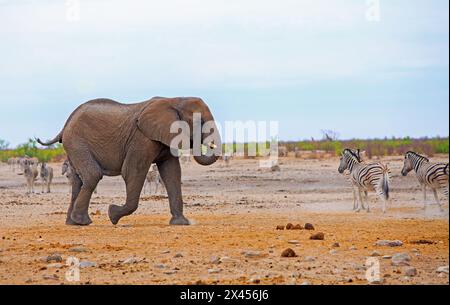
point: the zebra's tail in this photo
(385, 181)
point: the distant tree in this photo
(330, 135)
(3, 144)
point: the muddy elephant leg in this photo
(170, 172)
(90, 174)
(76, 188)
(134, 182)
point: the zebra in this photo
(433, 175)
(46, 176)
(347, 174)
(68, 171)
(30, 172)
(366, 177)
(153, 176)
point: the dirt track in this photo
(234, 240)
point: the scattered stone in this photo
(54, 258)
(310, 259)
(401, 259)
(293, 242)
(305, 284)
(227, 260)
(87, 264)
(178, 255)
(389, 243)
(78, 249)
(442, 270)
(170, 272)
(275, 168)
(410, 272)
(336, 245)
(376, 253)
(288, 253)
(50, 277)
(280, 228)
(165, 252)
(289, 226)
(130, 260)
(214, 271)
(333, 252)
(309, 226)
(252, 254)
(422, 242)
(317, 236)
(255, 281)
(353, 248)
(297, 227)
(160, 266)
(55, 265)
(387, 257)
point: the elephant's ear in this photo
(156, 118)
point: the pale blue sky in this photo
(311, 64)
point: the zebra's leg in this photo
(355, 200)
(436, 197)
(366, 197)
(424, 190)
(361, 204)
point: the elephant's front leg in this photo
(134, 180)
(170, 172)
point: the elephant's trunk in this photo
(214, 147)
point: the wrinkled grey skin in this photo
(104, 137)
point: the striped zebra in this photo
(366, 177)
(432, 175)
(348, 175)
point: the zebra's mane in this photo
(353, 154)
(417, 155)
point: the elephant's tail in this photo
(58, 138)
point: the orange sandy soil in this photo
(234, 210)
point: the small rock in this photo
(318, 236)
(54, 258)
(401, 259)
(293, 242)
(55, 265)
(289, 226)
(280, 228)
(310, 259)
(305, 284)
(255, 281)
(160, 266)
(411, 271)
(288, 253)
(214, 271)
(227, 260)
(336, 245)
(309, 226)
(376, 253)
(387, 257)
(333, 252)
(443, 270)
(50, 277)
(353, 248)
(79, 249)
(389, 243)
(178, 255)
(297, 227)
(170, 272)
(165, 252)
(130, 260)
(252, 254)
(87, 264)
(215, 260)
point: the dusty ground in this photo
(234, 239)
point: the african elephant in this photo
(104, 137)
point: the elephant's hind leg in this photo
(76, 188)
(90, 174)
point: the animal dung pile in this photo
(317, 236)
(290, 226)
(288, 253)
(309, 226)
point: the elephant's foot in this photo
(80, 219)
(115, 213)
(179, 221)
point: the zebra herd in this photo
(375, 176)
(364, 177)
